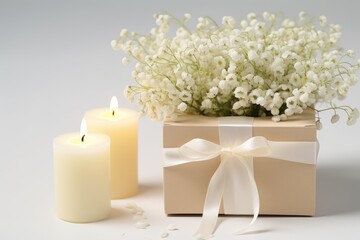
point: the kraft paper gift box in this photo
(284, 187)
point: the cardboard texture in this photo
(285, 188)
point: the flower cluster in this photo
(258, 66)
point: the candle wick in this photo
(83, 138)
(113, 112)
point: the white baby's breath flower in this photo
(228, 21)
(125, 61)
(219, 62)
(251, 16)
(355, 113)
(291, 102)
(235, 56)
(343, 89)
(249, 68)
(252, 55)
(275, 111)
(231, 77)
(353, 116)
(276, 118)
(185, 96)
(115, 45)
(182, 107)
(289, 112)
(244, 23)
(302, 15)
(304, 97)
(206, 104)
(123, 32)
(283, 117)
(237, 105)
(351, 121)
(323, 20)
(213, 92)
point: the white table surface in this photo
(56, 63)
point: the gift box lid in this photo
(299, 127)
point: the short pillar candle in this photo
(121, 125)
(82, 176)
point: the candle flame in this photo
(114, 106)
(83, 129)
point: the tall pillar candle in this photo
(121, 125)
(82, 176)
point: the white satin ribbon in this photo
(234, 176)
(201, 150)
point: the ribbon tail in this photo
(212, 202)
(254, 196)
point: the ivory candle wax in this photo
(121, 125)
(82, 176)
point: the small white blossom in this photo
(304, 97)
(125, 61)
(275, 111)
(206, 104)
(182, 107)
(219, 62)
(241, 92)
(283, 117)
(228, 21)
(276, 118)
(323, 20)
(237, 105)
(213, 92)
(244, 24)
(123, 32)
(343, 89)
(185, 95)
(115, 45)
(289, 112)
(302, 15)
(251, 16)
(252, 55)
(187, 16)
(354, 115)
(231, 77)
(235, 56)
(291, 102)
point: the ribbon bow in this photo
(223, 182)
(200, 149)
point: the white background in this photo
(56, 63)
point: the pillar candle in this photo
(82, 176)
(121, 125)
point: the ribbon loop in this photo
(199, 149)
(253, 147)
